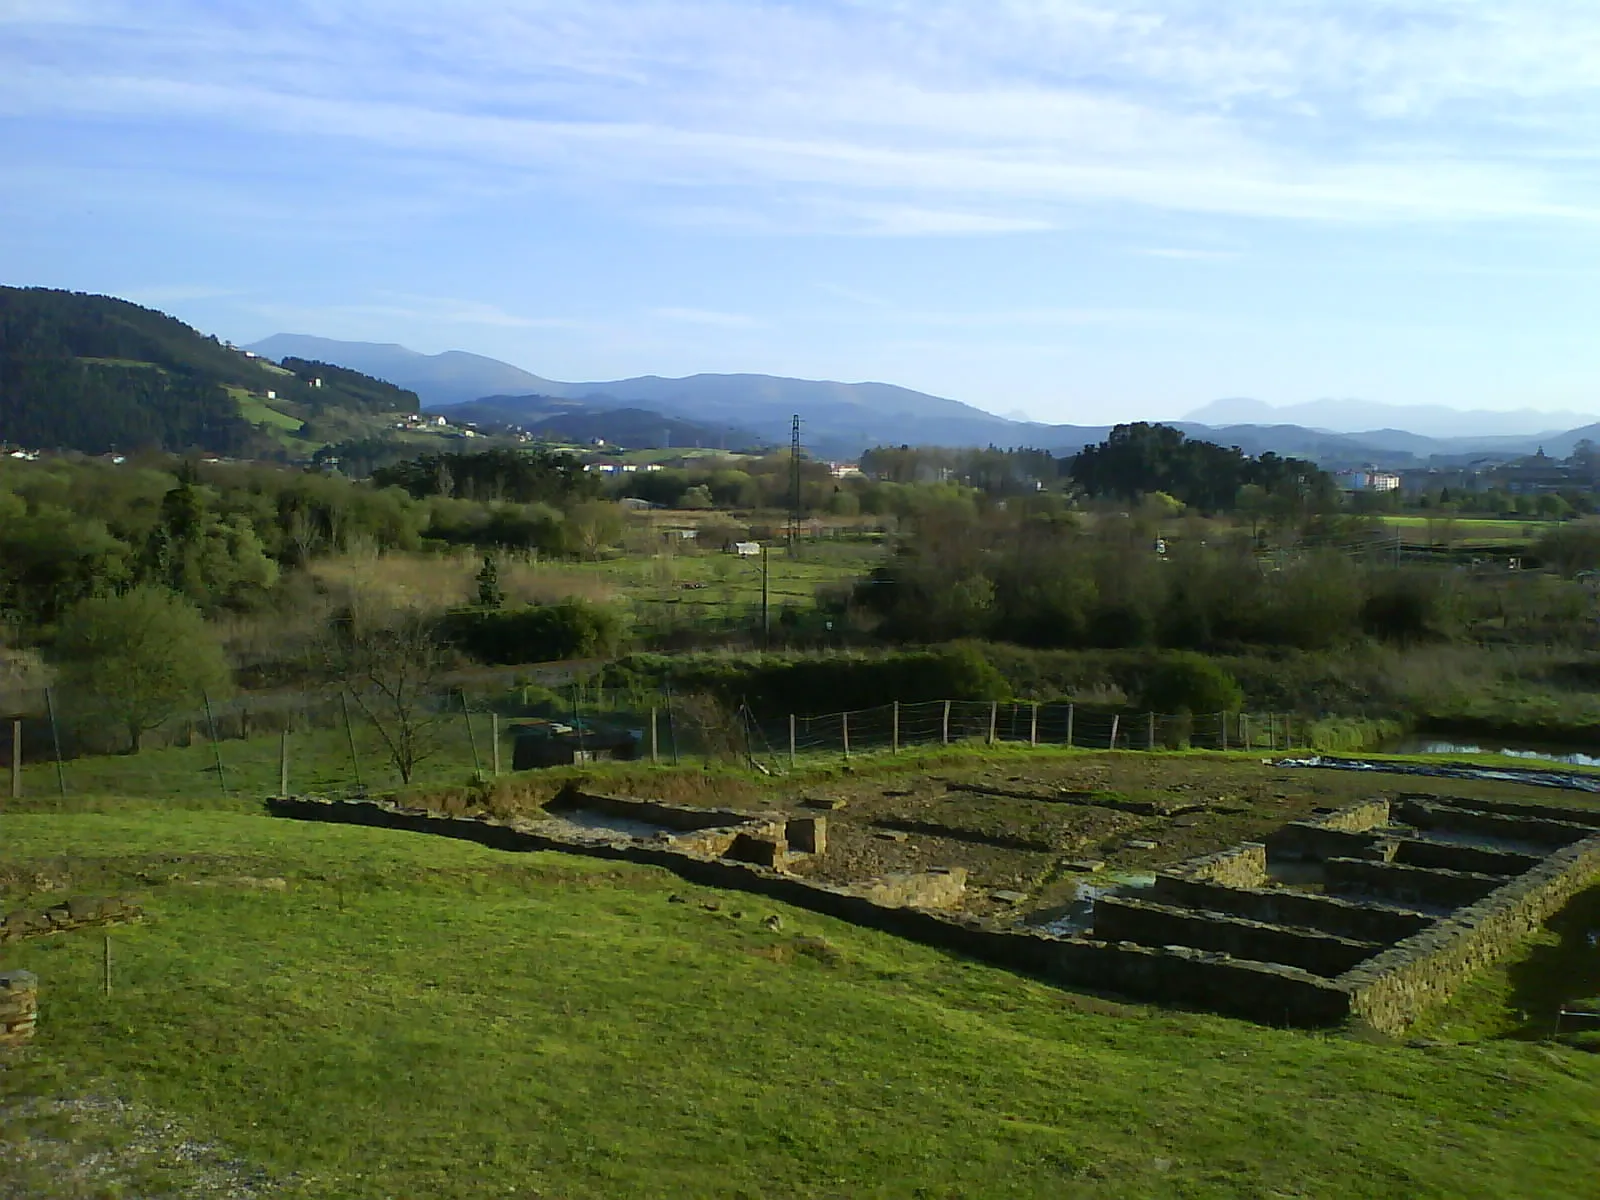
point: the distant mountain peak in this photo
(1354, 416)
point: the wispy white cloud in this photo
(948, 117)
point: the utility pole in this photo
(794, 484)
(766, 625)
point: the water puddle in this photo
(1077, 918)
(584, 821)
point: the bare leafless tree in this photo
(389, 662)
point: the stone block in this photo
(19, 1007)
(941, 887)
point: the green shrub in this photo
(1190, 683)
(535, 632)
(774, 684)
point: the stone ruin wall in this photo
(1393, 989)
(1267, 992)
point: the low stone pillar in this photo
(19, 1006)
(808, 835)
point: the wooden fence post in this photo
(994, 715)
(845, 719)
(945, 738)
(791, 741)
(283, 763)
(655, 745)
(16, 759)
(1033, 726)
(1115, 718)
(1222, 718)
(494, 739)
(1070, 710)
(894, 729)
(1244, 729)
(55, 740)
(1150, 743)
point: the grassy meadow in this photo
(337, 1011)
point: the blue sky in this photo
(1087, 211)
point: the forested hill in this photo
(95, 373)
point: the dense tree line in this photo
(1044, 580)
(1141, 458)
(520, 476)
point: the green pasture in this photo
(348, 1012)
(710, 584)
(1466, 531)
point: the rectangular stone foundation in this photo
(1120, 919)
(1408, 885)
(1276, 906)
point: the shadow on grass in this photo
(1555, 973)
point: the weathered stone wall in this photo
(1357, 818)
(1539, 831)
(1408, 885)
(1277, 906)
(1309, 841)
(1120, 918)
(941, 887)
(77, 913)
(1417, 852)
(1391, 990)
(19, 1007)
(1512, 808)
(1267, 992)
(1244, 866)
(682, 817)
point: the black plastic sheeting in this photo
(1569, 780)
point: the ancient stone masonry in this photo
(1245, 932)
(68, 915)
(1397, 904)
(19, 1007)
(908, 906)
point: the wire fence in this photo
(342, 742)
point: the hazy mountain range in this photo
(1358, 416)
(839, 420)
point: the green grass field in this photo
(1466, 531)
(418, 1017)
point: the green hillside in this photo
(95, 373)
